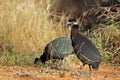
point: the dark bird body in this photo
(56, 49)
(84, 48)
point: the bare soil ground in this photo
(70, 72)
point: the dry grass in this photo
(25, 25)
(25, 30)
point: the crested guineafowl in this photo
(56, 49)
(84, 49)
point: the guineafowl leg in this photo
(90, 71)
(81, 67)
(81, 70)
(59, 63)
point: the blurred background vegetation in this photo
(25, 30)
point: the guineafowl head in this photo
(72, 22)
(36, 60)
(41, 59)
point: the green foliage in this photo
(108, 58)
(107, 40)
(118, 0)
(15, 58)
(75, 59)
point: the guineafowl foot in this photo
(59, 63)
(83, 74)
(81, 70)
(78, 73)
(89, 75)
